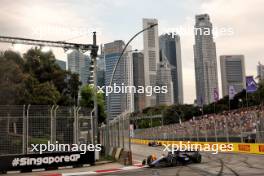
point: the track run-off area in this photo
(221, 164)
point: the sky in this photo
(75, 20)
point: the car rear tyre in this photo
(174, 162)
(198, 159)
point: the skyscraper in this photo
(164, 78)
(101, 70)
(120, 102)
(170, 50)
(205, 60)
(233, 73)
(79, 63)
(151, 57)
(260, 68)
(138, 78)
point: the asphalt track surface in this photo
(222, 164)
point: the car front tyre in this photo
(149, 160)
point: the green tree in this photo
(87, 97)
(42, 66)
(23, 79)
(11, 78)
(45, 94)
(73, 87)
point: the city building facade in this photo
(260, 70)
(170, 50)
(119, 102)
(101, 70)
(205, 60)
(151, 57)
(138, 79)
(232, 73)
(80, 64)
(164, 78)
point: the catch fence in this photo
(117, 133)
(235, 126)
(21, 126)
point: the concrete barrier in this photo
(118, 153)
(114, 152)
(125, 158)
(122, 156)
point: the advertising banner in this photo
(46, 160)
(251, 84)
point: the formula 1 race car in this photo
(154, 144)
(173, 159)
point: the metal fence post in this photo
(216, 140)
(241, 131)
(112, 135)
(53, 124)
(27, 128)
(120, 132)
(74, 125)
(255, 117)
(78, 125)
(24, 143)
(92, 127)
(129, 134)
(226, 129)
(206, 134)
(123, 131)
(258, 131)
(117, 131)
(197, 135)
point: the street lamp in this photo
(112, 77)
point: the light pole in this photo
(112, 76)
(93, 57)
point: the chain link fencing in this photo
(21, 126)
(117, 133)
(235, 126)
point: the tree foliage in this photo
(35, 78)
(87, 100)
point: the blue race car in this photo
(173, 159)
